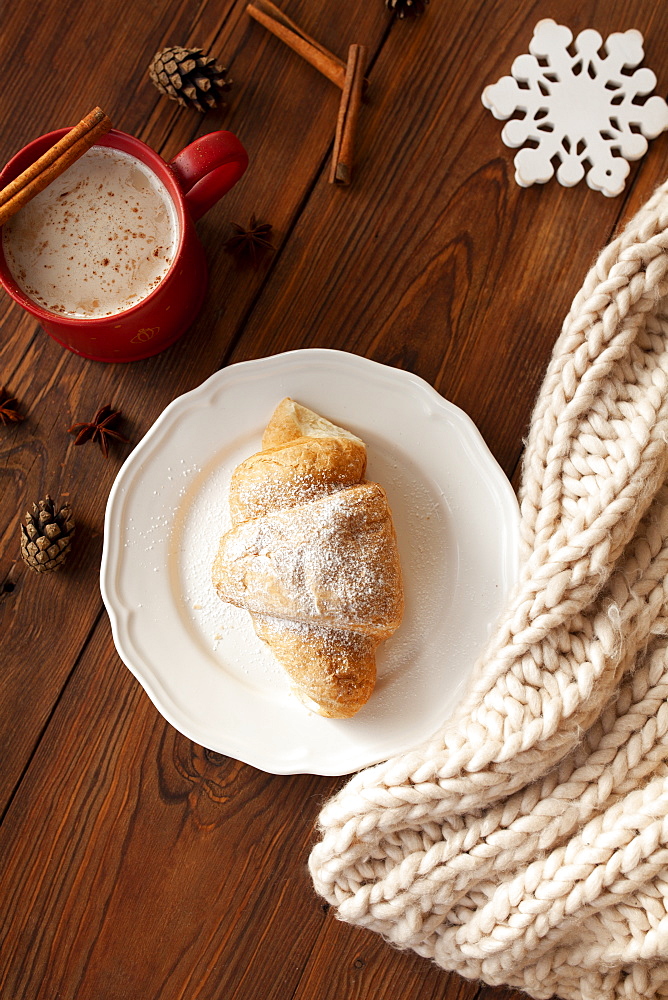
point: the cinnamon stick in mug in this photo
(52, 163)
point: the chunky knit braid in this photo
(527, 842)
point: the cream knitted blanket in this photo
(527, 842)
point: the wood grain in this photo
(135, 863)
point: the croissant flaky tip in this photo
(291, 420)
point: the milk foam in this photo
(97, 240)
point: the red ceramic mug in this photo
(195, 179)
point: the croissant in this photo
(312, 555)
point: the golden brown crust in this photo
(333, 672)
(312, 556)
(301, 469)
(290, 420)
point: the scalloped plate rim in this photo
(202, 395)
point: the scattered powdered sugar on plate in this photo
(224, 632)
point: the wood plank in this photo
(272, 109)
(136, 864)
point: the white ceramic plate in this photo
(200, 661)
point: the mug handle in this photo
(208, 168)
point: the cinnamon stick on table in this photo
(52, 163)
(346, 126)
(267, 14)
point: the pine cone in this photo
(46, 536)
(406, 8)
(189, 77)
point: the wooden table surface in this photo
(136, 864)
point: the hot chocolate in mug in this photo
(107, 257)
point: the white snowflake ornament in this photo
(581, 107)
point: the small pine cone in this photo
(406, 8)
(189, 77)
(46, 536)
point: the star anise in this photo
(98, 429)
(251, 241)
(407, 8)
(9, 413)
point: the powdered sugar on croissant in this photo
(312, 556)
